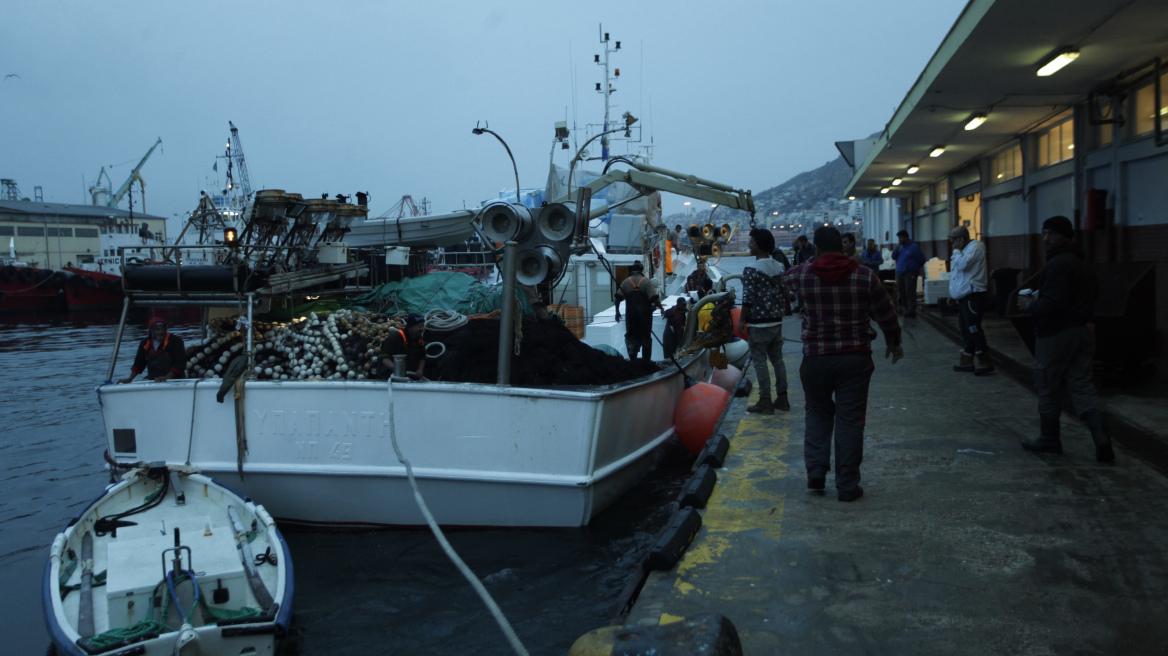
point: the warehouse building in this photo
(52, 235)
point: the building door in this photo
(969, 214)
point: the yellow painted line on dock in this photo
(743, 511)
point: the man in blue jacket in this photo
(909, 259)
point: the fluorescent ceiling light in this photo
(912, 169)
(975, 122)
(884, 190)
(937, 150)
(1062, 59)
(896, 182)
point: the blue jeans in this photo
(767, 344)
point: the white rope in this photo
(450, 553)
(444, 320)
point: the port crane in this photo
(235, 160)
(100, 193)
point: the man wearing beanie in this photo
(762, 320)
(1064, 344)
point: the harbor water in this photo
(369, 592)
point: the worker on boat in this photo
(407, 340)
(162, 355)
(641, 295)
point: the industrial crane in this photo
(99, 192)
(235, 160)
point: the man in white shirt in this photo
(968, 281)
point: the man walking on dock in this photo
(839, 296)
(1064, 344)
(762, 320)
(968, 281)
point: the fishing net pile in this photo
(549, 354)
(346, 344)
(342, 345)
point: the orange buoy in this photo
(726, 378)
(735, 315)
(696, 415)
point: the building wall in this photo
(52, 241)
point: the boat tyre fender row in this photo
(8, 273)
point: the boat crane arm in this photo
(646, 178)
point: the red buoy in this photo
(735, 315)
(697, 413)
(726, 378)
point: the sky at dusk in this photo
(381, 96)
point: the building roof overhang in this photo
(988, 64)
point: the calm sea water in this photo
(372, 592)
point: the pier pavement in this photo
(964, 543)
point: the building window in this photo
(1055, 144)
(923, 198)
(22, 231)
(86, 232)
(1145, 108)
(7, 231)
(59, 232)
(1006, 165)
(943, 193)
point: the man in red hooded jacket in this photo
(839, 296)
(161, 355)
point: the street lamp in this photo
(478, 130)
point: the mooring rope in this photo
(474, 581)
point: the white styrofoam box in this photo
(936, 289)
(334, 253)
(935, 270)
(397, 255)
(134, 567)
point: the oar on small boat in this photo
(263, 597)
(85, 609)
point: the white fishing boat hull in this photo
(134, 563)
(483, 455)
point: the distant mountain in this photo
(804, 192)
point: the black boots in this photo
(1048, 441)
(1103, 450)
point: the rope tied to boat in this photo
(474, 581)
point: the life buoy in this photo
(26, 275)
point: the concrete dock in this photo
(964, 543)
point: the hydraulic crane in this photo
(98, 191)
(235, 160)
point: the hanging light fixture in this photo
(1056, 63)
(937, 151)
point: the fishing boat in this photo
(168, 561)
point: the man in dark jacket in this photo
(161, 355)
(1065, 343)
(841, 297)
(675, 318)
(407, 341)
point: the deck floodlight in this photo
(1055, 64)
(561, 129)
(629, 119)
(912, 169)
(975, 121)
(937, 151)
(229, 236)
(296, 209)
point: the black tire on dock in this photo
(7, 273)
(88, 281)
(26, 274)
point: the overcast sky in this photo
(381, 97)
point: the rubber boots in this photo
(966, 363)
(1103, 451)
(985, 366)
(1048, 441)
(763, 407)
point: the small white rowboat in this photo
(169, 562)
